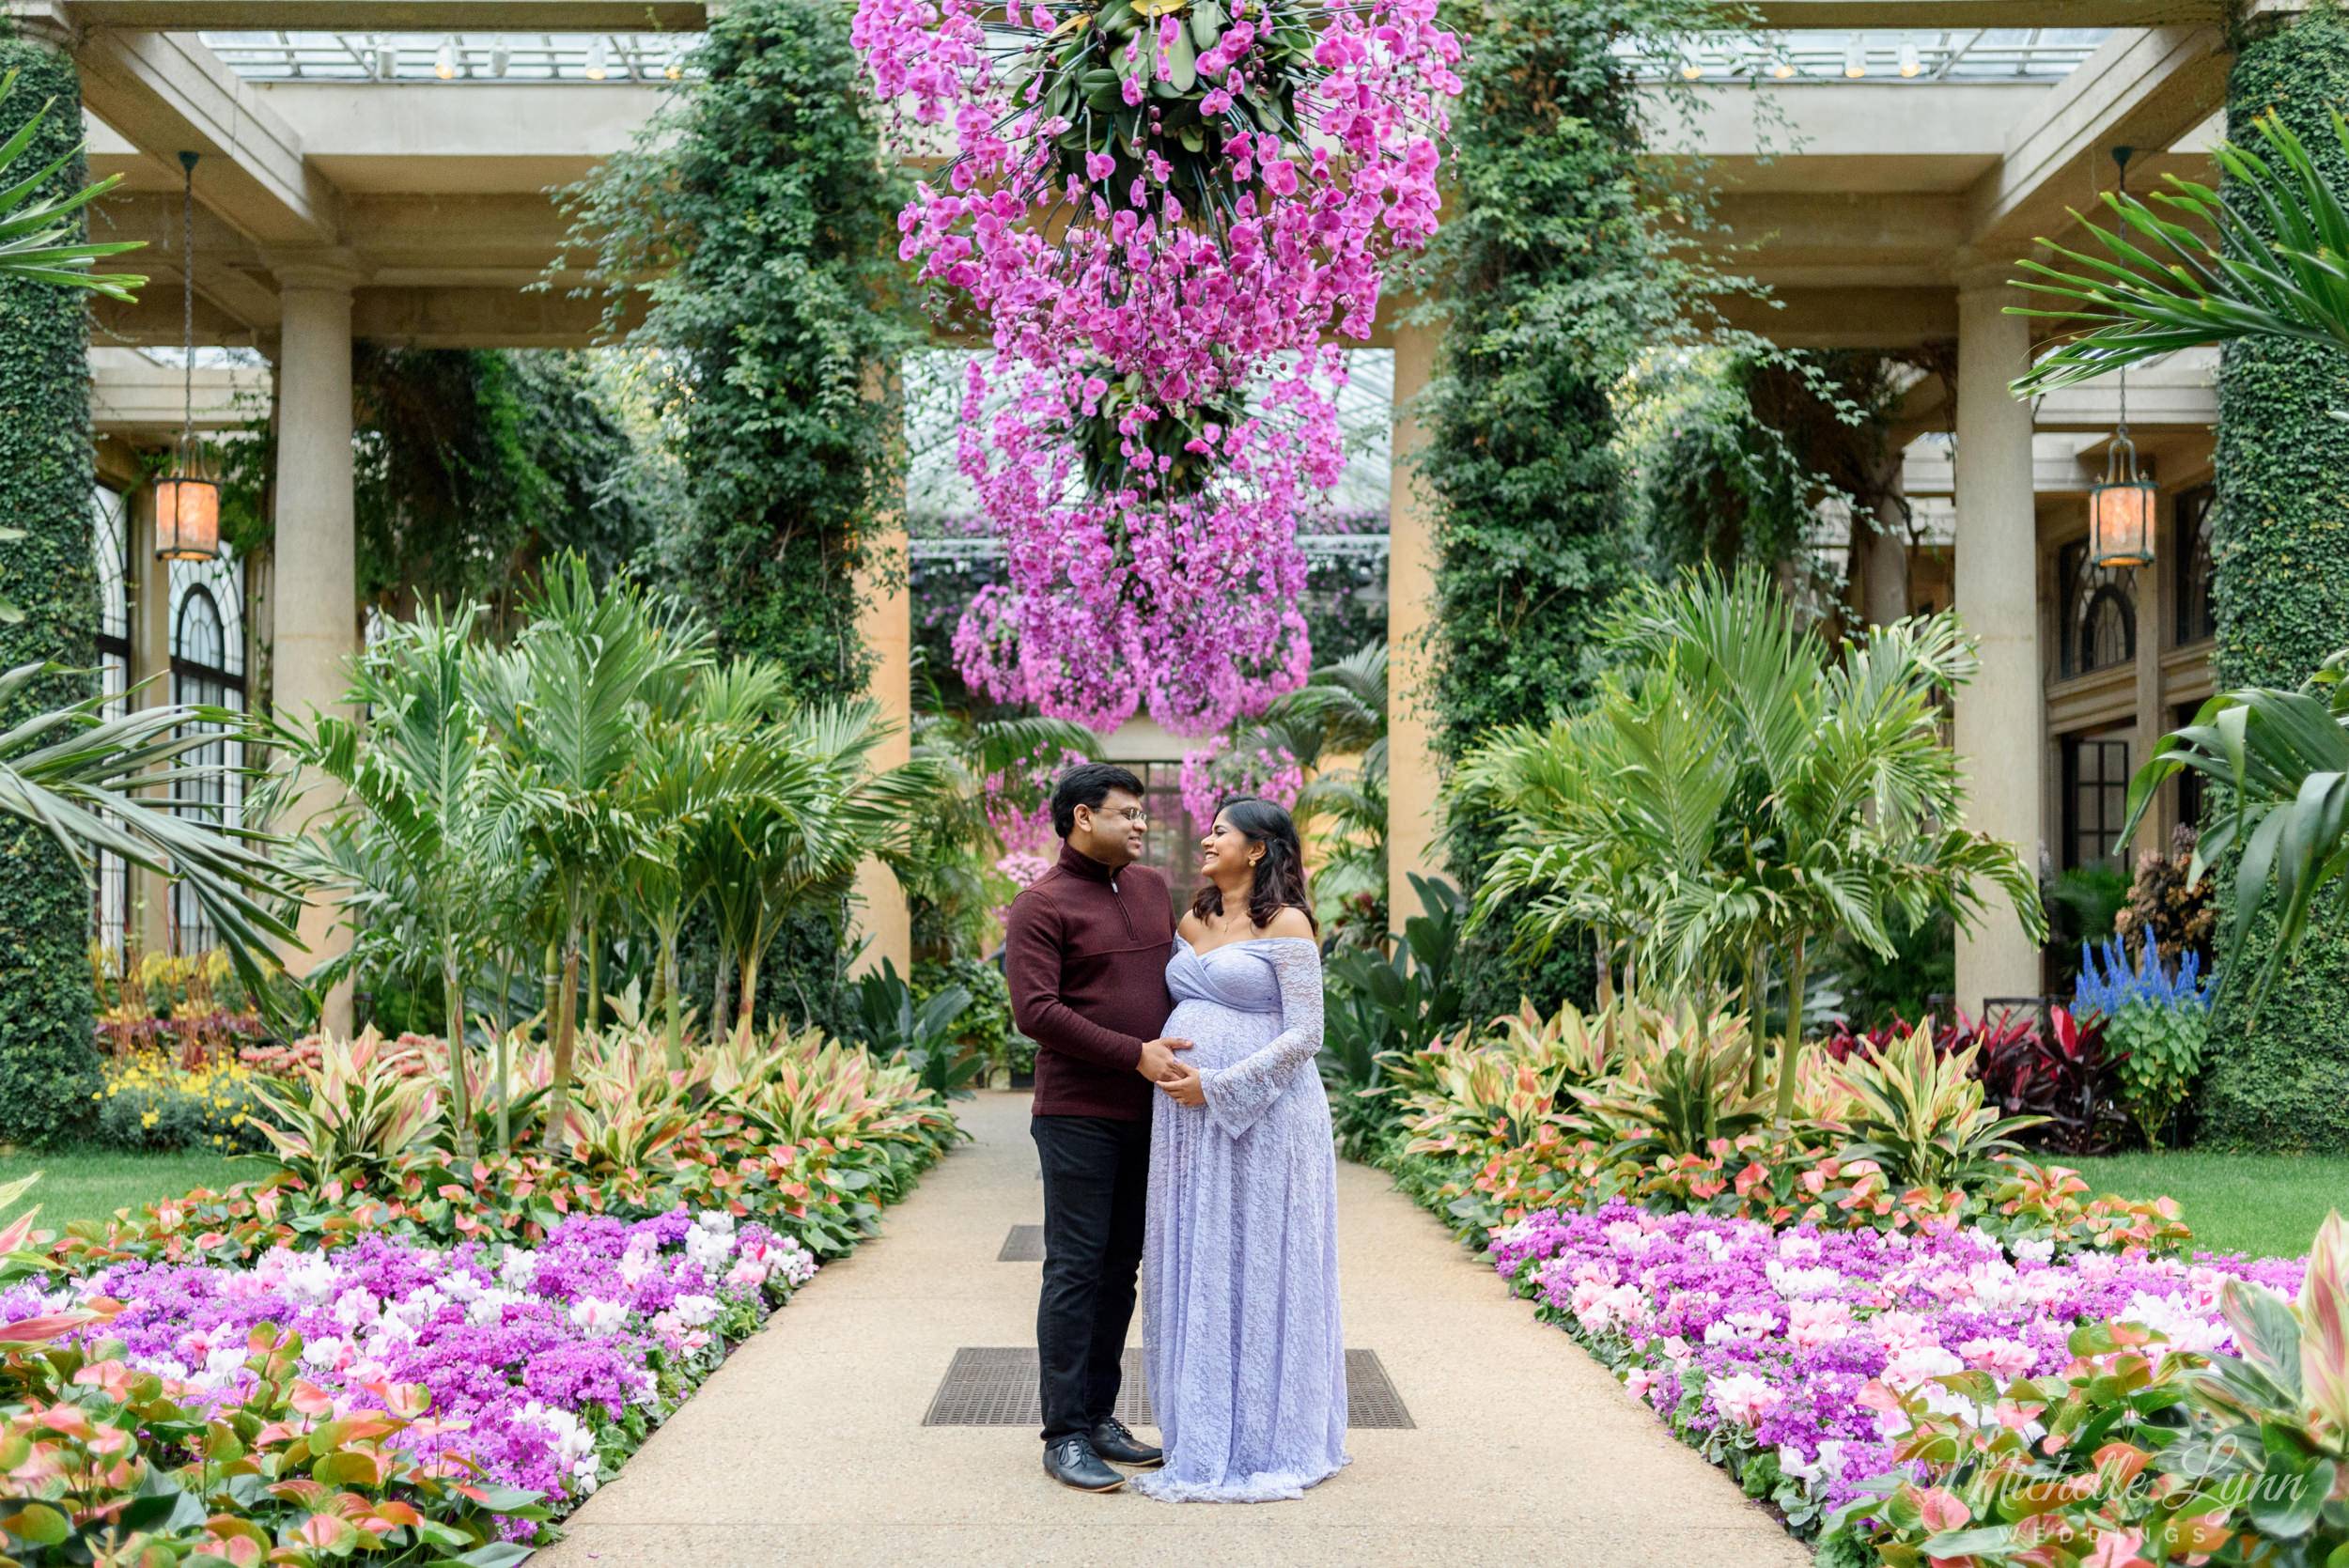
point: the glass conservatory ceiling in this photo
(1993, 54)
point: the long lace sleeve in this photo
(1239, 1095)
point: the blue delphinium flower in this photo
(2110, 982)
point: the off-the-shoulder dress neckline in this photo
(1198, 952)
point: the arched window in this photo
(2098, 607)
(2197, 618)
(208, 666)
(110, 552)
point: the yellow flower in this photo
(149, 1119)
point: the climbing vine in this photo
(2280, 554)
(752, 224)
(48, 1065)
(471, 466)
(1557, 273)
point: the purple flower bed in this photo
(545, 1366)
(1778, 1353)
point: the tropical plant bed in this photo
(1785, 1355)
(392, 1351)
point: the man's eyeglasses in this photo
(1133, 814)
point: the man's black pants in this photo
(1096, 1175)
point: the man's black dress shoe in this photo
(1072, 1462)
(1110, 1440)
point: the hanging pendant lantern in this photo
(2120, 508)
(187, 498)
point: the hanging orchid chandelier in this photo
(1162, 209)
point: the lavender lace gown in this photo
(1246, 1361)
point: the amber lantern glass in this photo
(187, 508)
(2121, 511)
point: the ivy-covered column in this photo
(2281, 551)
(48, 1064)
(1547, 240)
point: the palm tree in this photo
(41, 237)
(2163, 285)
(428, 816)
(694, 769)
(1768, 793)
(113, 784)
(2283, 759)
(982, 766)
(569, 700)
(803, 808)
(1341, 710)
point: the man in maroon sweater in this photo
(1085, 953)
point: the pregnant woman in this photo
(1246, 1360)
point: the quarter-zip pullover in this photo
(1085, 953)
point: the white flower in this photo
(695, 1310)
(595, 1316)
(1797, 1248)
(311, 1279)
(326, 1352)
(519, 1270)
(1811, 1324)
(1803, 1283)
(1829, 1463)
(1912, 1366)
(2035, 1249)
(356, 1308)
(1745, 1397)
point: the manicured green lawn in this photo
(91, 1184)
(2268, 1205)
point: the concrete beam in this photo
(473, 139)
(142, 402)
(1862, 137)
(2145, 90)
(1841, 239)
(400, 16)
(476, 319)
(1849, 318)
(165, 94)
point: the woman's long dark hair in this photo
(1280, 875)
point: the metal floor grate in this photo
(1025, 1244)
(995, 1386)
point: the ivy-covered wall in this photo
(2281, 539)
(1548, 225)
(761, 202)
(48, 1065)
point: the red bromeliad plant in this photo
(1162, 207)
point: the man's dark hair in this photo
(1088, 785)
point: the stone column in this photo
(1884, 553)
(1412, 777)
(2000, 728)
(885, 622)
(2153, 621)
(317, 606)
(148, 930)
